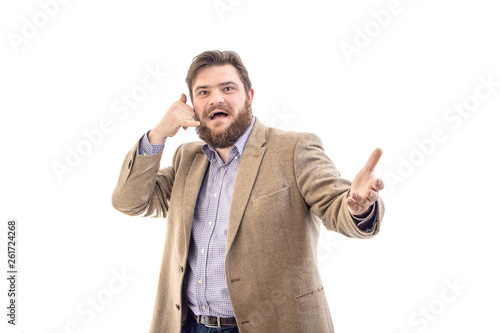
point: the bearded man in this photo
(243, 208)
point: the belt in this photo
(215, 321)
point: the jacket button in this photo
(181, 269)
(129, 163)
(178, 306)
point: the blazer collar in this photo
(192, 186)
(245, 179)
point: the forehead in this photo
(214, 75)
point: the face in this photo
(221, 105)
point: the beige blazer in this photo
(284, 188)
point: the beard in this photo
(228, 137)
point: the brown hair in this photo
(217, 58)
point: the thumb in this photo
(183, 98)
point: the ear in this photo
(250, 95)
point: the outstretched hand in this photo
(365, 187)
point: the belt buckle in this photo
(218, 324)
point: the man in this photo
(243, 210)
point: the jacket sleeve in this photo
(324, 191)
(142, 188)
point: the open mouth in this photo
(218, 114)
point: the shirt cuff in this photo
(366, 224)
(146, 148)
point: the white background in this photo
(441, 221)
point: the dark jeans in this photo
(190, 325)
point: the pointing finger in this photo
(373, 160)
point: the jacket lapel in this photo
(245, 179)
(193, 184)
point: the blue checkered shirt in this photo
(207, 292)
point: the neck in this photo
(224, 153)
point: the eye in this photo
(202, 92)
(228, 88)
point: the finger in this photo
(378, 184)
(373, 160)
(183, 98)
(354, 208)
(364, 202)
(360, 200)
(372, 196)
(189, 123)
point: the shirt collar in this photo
(237, 148)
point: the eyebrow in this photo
(222, 84)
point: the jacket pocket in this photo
(273, 197)
(312, 301)
(309, 293)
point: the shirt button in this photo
(202, 251)
(215, 195)
(236, 157)
(203, 307)
(200, 281)
(222, 169)
(210, 223)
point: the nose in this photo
(217, 98)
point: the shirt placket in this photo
(216, 180)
